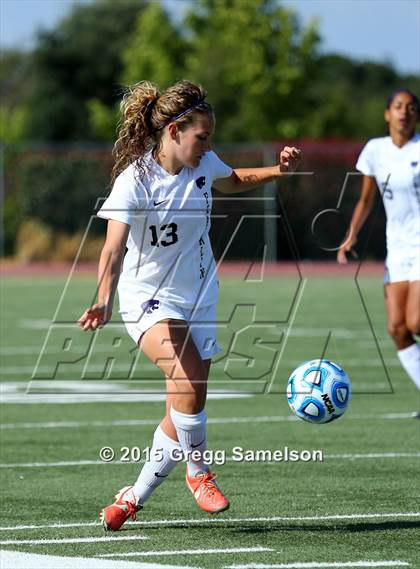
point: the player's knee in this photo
(397, 330)
(413, 324)
(191, 402)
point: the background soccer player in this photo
(159, 208)
(392, 163)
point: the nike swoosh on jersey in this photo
(155, 203)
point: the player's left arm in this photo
(244, 179)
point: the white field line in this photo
(79, 424)
(28, 370)
(192, 522)
(86, 391)
(133, 397)
(71, 399)
(141, 422)
(57, 464)
(11, 351)
(210, 421)
(75, 386)
(124, 368)
(156, 394)
(295, 331)
(320, 565)
(344, 456)
(72, 540)
(351, 456)
(21, 560)
(257, 549)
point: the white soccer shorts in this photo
(402, 267)
(201, 321)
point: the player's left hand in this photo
(290, 159)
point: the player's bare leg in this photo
(402, 305)
(413, 308)
(412, 353)
(169, 346)
(396, 296)
(162, 352)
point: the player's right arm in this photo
(109, 271)
(361, 213)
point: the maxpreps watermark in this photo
(219, 457)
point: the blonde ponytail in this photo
(135, 128)
(145, 112)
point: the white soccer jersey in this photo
(169, 253)
(397, 173)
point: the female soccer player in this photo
(392, 163)
(159, 209)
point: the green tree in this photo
(259, 65)
(156, 51)
(12, 124)
(78, 61)
(103, 119)
(16, 83)
(348, 97)
(255, 60)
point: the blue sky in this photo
(380, 30)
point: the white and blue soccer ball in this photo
(318, 391)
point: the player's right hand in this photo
(347, 248)
(95, 317)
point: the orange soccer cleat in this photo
(207, 494)
(124, 507)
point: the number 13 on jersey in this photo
(168, 231)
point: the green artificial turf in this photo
(361, 503)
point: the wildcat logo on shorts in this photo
(201, 182)
(150, 305)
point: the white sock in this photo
(410, 360)
(191, 431)
(158, 467)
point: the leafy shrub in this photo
(34, 241)
(61, 190)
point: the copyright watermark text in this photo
(219, 457)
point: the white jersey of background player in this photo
(160, 209)
(392, 164)
(397, 174)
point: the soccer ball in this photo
(318, 391)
